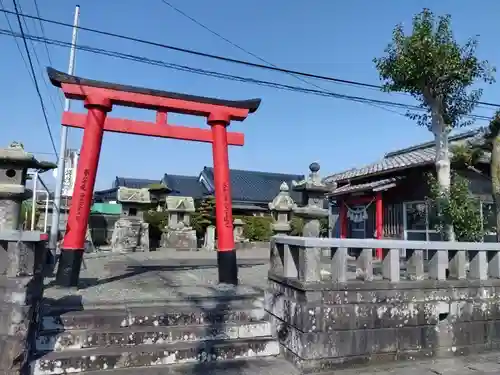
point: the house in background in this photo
(386, 199)
(251, 190)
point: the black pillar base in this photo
(228, 267)
(68, 271)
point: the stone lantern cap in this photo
(135, 196)
(283, 201)
(313, 182)
(180, 204)
(15, 155)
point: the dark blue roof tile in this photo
(185, 186)
(252, 186)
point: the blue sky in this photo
(289, 131)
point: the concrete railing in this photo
(301, 258)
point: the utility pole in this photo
(56, 206)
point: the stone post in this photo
(22, 261)
(281, 211)
(313, 193)
(131, 232)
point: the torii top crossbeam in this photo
(99, 98)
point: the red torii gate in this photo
(99, 98)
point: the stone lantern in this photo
(131, 232)
(14, 165)
(180, 234)
(313, 194)
(281, 211)
(238, 228)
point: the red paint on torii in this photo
(99, 98)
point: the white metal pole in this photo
(56, 206)
(45, 224)
(33, 202)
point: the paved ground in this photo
(160, 276)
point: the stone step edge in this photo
(128, 320)
(145, 329)
(268, 365)
(188, 306)
(145, 348)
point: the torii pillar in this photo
(99, 98)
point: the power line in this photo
(38, 63)
(42, 29)
(216, 57)
(213, 32)
(17, 42)
(185, 68)
(34, 76)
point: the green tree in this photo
(467, 155)
(204, 215)
(435, 69)
(457, 207)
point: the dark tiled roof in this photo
(383, 184)
(402, 159)
(134, 183)
(185, 186)
(106, 195)
(252, 186)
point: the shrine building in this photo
(387, 199)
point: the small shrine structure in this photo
(179, 233)
(131, 232)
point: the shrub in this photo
(257, 228)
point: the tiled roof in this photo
(252, 186)
(185, 186)
(402, 159)
(373, 185)
(134, 183)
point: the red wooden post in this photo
(343, 220)
(379, 220)
(226, 252)
(74, 241)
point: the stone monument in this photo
(281, 210)
(179, 233)
(131, 232)
(22, 263)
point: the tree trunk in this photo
(443, 165)
(495, 180)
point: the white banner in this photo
(70, 165)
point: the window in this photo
(132, 211)
(489, 219)
(418, 222)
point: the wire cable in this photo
(231, 77)
(42, 105)
(216, 57)
(192, 19)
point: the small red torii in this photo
(99, 98)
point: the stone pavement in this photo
(156, 276)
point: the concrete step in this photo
(262, 366)
(131, 336)
(146, 355)
(171, 314)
